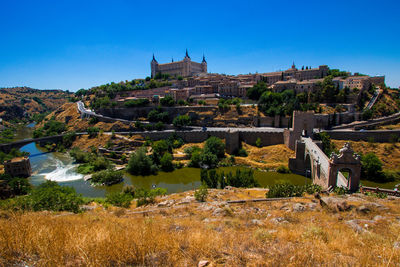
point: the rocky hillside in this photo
(351, 230)
(22, 102)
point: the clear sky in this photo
(79, 44)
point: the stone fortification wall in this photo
(134, 113)
(249, 137)
(380, 136)
(325, 121)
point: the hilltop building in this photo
(184, 68)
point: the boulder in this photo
(203, 263)
(363, 209)
(298, 207)
(334, 203)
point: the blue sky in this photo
(80, 44)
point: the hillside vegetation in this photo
(24, 102)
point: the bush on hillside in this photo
(283, 169)
(119, 199)
(201, 194)
(47, 196)
(106, 177)
(291, 190)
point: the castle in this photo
(184, 68)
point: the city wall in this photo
(322, 121)
(135, 113)
(249, 137)
(380, 136)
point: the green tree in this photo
(257, 90)
(209, 159)
(166, 162)
(167, 101)
(371, 167)
(181, 121)
(141, 164)
(215, 146)
(52, 196)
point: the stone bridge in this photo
(42, 140)
(327, 172)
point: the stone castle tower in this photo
(184, 68)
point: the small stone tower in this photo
(187, 68)
(154, 66)
(204, 64)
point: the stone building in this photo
(18, 167)
(184, 68)
(305, 73)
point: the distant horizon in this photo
(74, 44)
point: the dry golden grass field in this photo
(179, 231)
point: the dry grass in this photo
(269, 157)
(68, 113)
(185, 234)
(390, 126)
(388, 153)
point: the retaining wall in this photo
(380, 136)
(249, 137)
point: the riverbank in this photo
(179, 231)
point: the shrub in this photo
(52, 196)
(371, 167)
(68, 139)
(283, 169)
(141, 164)
(366, 115)
(167, 101)
(20, 186)
(137, 103)
(258, 142)
(159, 126)
(201, 194)
(181, 121)
(92, 131)
(290, 190)
(195, 158)
(242, 178)
(51, 127)
(79, 156)
(166, 162)
(328, 146)
(215, 146)
(145, 196)
(119, 199)
(208, 159)
(340, 190)
(156, 115)
(106, 177)
(100, 163)
(242, 153)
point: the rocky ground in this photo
(177, 230)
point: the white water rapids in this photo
(62, 173)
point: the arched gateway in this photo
(312, 162)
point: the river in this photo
(59, 167)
